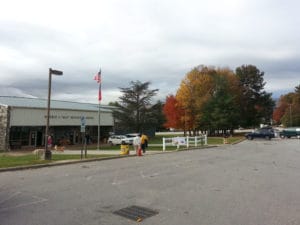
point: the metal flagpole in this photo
(98, 79)
(98, 144)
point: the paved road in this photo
(251, 183)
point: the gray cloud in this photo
(156, 41)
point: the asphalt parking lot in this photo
(251, 183)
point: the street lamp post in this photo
(47, 151)
(291, 119)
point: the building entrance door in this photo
(39, 138)
(33, 137)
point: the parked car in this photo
(266, 133)
(129, 138)
(290, 132)
(115, 139)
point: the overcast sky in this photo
(147, 40)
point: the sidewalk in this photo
(101, 152)
(114, 154)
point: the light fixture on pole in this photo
(47, 151)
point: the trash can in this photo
(225, 139)
(124, 149)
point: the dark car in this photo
(261, 133)
(290, 132)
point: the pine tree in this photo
(134, 112)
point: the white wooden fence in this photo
(185, 141)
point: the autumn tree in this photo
(173, 113)
(296, 108)
(287, 111)
(217, 99)
(195, 89)
(279, 111)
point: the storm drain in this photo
(136, 213)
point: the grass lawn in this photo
(219, 140)
(7, 160)
(14, 159)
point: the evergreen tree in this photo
(256, 104)
(156, 117)
(221, 113)
(134, 112)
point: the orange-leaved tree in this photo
(279, 112)
(287, 111)
(173, 113)
(195, 90)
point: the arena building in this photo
(23, 122)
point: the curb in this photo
(239, 141)
(69, 162)
(61, 163)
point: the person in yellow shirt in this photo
(144, 142)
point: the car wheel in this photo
(250, 138)
(268, 137)
(110, 143)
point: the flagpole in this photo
(97, 77)
(98, 144)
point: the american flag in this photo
(97, 78)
